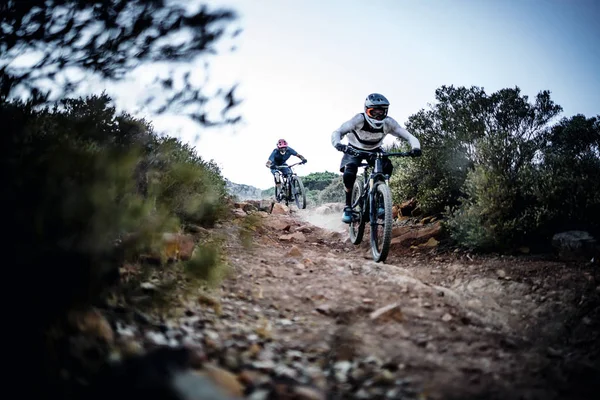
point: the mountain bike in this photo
(372, 201)
(292, 188)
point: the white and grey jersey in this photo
(363, 136)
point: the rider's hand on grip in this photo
(352, 152)
(415, 153)
(341, 147)
(304, 161)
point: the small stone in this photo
(224, 379)
(285, 371)
(389, 312)
(294, 252)
(265, 365)
(341, 369)
(93, 323)
(446, 317)
(384, 376)
(147, 286)
(324, 309)
(252, 378)
(211, 334)
(261, 394)
(294, 355)
(131, 347)
(308, 393)
(501, 273)
(254, 350)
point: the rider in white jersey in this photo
(366, 131)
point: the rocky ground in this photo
(304, 314)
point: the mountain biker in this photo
(366, 132)
(278, 158)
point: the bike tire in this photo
(379, 255)
(356, 229)
(299, 192)
(288, 192)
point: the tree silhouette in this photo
(45, 45)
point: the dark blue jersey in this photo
(279, 159)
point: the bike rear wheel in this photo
(298, 192)
(357, 226)
(381, 230)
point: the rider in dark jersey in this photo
(366, 131)
(278, 158)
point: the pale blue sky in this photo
(305, 67)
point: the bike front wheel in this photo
(299, 192)
(381, 227)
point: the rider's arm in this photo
(396, 130)
(271, 159)
(345, 128)
(295, 153)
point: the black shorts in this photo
(356, 160)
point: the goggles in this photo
(377, 113)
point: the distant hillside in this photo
(243, 192)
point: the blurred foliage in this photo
(89, 189)
(48, 48)
(249, 224)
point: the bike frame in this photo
(368, 195)
(287, 178)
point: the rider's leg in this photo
(277, 179)
(349, 167)
(349, 178)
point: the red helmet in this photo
(281, 144)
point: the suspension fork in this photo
(372, 208)
(292, 189)
(376, 179)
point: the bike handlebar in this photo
(357, 152)
(286, 166)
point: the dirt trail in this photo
(457, 326)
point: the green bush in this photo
(80, 177)
(334, 193)
(498, 191)
(504, 176)
(567, 177)
(318, 180)
(487, 218)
